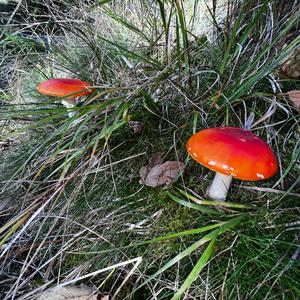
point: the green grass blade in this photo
(184, 233)
(214, 203)
(133, 55)
(13, 229)
(183, 30)
(192, 205)
(232, 38)
(104, 2)
(165, 237)
(228, 225)
(182, 255)
(228, 57)
(125, 23)
(198, 267)
(208, 237)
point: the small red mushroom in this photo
(231, 152)
(70, 89)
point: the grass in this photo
(73, 210)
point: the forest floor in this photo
(109, 197)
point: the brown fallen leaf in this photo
(291, 65)
(156, 159)
(71, 292)
(157, 173)
(294, 96)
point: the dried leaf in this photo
(143, 174)
(171, 169)
(157, 173)
(291, 66)
(71, 292)
(295, 98)
(153, 177)
(156, 159)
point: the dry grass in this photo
(71, 203)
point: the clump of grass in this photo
(80, 208)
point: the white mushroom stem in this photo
(219, 187)
(69, 104)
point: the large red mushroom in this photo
(231, 152)
(67, 88)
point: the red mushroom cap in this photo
(65, 87)
(233, 151)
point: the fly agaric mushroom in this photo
(70, 89)
(231, 152)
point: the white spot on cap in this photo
(212, 163)
(260, 176)
(195, 154)
(189, 148)
(243, 140)
(225, 167)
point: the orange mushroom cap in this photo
(233, 151)
(65, 87)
